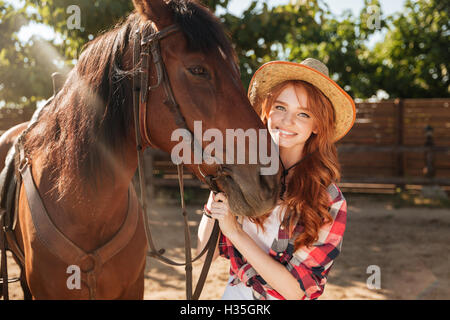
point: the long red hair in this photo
(306, 199)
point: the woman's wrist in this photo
(207, 212)
(235, 234)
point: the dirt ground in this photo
(409, 245)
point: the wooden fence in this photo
(398, 142)
(393, 143)
(10, 117)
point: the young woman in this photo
(287, 253)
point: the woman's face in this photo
(289, 118)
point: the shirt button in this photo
(282, 227)
(280, 254)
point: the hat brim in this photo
(276, 72)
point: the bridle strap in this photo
(156, 36)
(141, 90)
(152, 44)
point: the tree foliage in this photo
(411, 62)
(24, 74)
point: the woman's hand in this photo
(221, 211)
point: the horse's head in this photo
(203, 75)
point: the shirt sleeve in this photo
(310, 266)
(224, 246)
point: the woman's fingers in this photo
(218, 205)
(219, 209)
(217, 215)
(220, 197)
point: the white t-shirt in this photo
(264, 240)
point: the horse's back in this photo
(7, 140)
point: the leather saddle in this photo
(8, 185)
(9, 191)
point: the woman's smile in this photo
(286, 133)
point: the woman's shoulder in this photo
(335, 193)
(338, 204)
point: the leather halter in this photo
(141, 89)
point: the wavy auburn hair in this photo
(306, 199)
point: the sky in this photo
(236, 7)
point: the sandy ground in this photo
(409, 245)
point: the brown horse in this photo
(82, 151)
(7, 140)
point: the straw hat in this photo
(312, 71)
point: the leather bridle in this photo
(142, 48)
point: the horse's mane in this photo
(89, 120)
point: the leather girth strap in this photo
(56, 242)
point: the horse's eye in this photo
(198, 71)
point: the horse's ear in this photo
(157, 11)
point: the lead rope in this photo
(187, 236)
(211, 245)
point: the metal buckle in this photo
(24, 164)
(10, 280)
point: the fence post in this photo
(400, 158)
(429, 169)
(433, 190)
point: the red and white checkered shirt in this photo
(310, 266)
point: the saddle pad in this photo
(8, 185)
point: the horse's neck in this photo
(93, 218)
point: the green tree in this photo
(25, 68)
(340, 43)
(24, 74)
(305, 29)
(413, 60)
(95, 16)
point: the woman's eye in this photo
(198, 71)
(302, 114)
(281, 108)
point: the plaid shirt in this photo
(310, 266)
